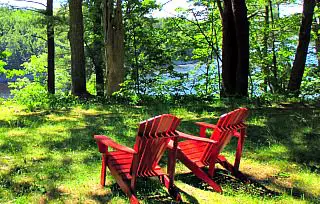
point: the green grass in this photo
(50, 156)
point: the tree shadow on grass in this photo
(224, 179)
(296, 192)
(32, 119)
(97, 124)
(149, 190)
(12, 146)
(23, 179)
(297, 129)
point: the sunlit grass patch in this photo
(307, 182)
(275, 153)
(17, 133)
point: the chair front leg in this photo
(103, 169)
(172, 155)
(239, 149)
(168, 181)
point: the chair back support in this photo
(227, 125)
(152, 140)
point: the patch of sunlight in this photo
(131, 122)
(24, 179)
(274, 153)
(38, 156)
(183, 113)
(57, 118)
(181, 168)
(9, 111)
(96, 191)
(84, 182)
(35, 113)
(257, 121)
(80, 111)
(17, 133)
(109, 128)
(5, 163)
(258, 171)
(193, 194)
(307, 182)
(202, 196)
(59, 129)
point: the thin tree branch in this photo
(166, 3)
(254, 14)
(36, 36)
(34, 2)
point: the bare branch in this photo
(37, 36)
(254, 14)
(34, 2)
(166, 3)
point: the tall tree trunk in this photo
(96, 50)
(242, 36)
(235, 49)
(274, 82)
(229, 53)
(50, 44)
(265, 64)
(114, 43)
(302, 49)
(78, 73)
(316, 29)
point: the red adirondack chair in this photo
(196, 155)
(126, 164)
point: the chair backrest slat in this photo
(152, 140)
(226, 126)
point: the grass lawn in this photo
(50, 156)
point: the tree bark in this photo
(229, 53)
(114, 45)
(274, 82)
(51, 48)
(316, 29)
(235, 49)
(242, 36)
(302, 49)
(78, 74)
(265, 63)
(96, 48)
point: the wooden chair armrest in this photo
(206, 125)
(191, 137)
(236, 134)
(104, 142)
(170, 145)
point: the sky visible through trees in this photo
(167, 10)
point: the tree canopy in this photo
(203, 51)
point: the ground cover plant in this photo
(49, 156)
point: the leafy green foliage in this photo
(168, 58)
(21, 34)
